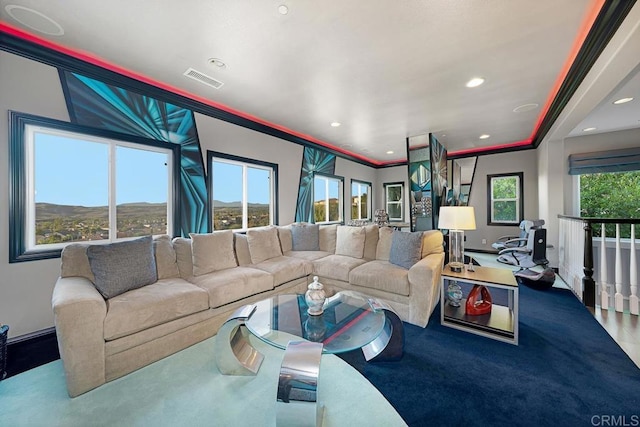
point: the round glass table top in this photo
(347, 323)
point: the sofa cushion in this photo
(305, 237)
(406, 248)
(327, 238)
(182, 246)
(350, 241)
(212, 251)
(285, 269)
(233, 284)
(263, 244)
(370, 241)
(152, 305)
(336, 267)
(384, 243)
(381, 275)
(284, 234)
(74, 262)
(166, 260)
(432, 242)
(242, 249)
(308, 255)
(122, 266)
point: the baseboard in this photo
(31, 350)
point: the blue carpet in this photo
(566, 371)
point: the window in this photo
(360, 200)
(327, 198)
(611, 195)
(75, 184)
(242, 192)
(394, 204)
(505, 202)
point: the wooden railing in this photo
(576, 261)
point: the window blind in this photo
(624, 160)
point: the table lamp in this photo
(456, 219)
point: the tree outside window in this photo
(505, 199)
(360, 200)
(393, 200)
(327, 198)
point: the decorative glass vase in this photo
(454, 294)
(315, 297)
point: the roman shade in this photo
(624, 160)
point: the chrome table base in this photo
(233, 352)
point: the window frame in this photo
(244, 162)
(20, 179)
(400, 202)
(328, 177)
(519, 199)
(361, 183)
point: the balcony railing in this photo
(592, 282)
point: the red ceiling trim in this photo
(593, 11)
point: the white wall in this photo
(25, 288)
(519, 161)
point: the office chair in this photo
(526, 225)
(534, 253)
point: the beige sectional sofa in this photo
(109, 325)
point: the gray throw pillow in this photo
(406, 248)
(305, 237)
(122, 266)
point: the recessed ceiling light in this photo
(484, 136)
(335, 124)
(390, 152)
(525, 107)
(283, 9)
(475, 82)
(622, 101)
(217, 62)
(34, 20)
(588, 129)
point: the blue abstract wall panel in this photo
(97, 104)
(313, 160)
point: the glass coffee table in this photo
(349, 322)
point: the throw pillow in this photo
(385, 234)
(166, 260)
(328, 238)
(263, 244)
(122, 266)
(406, 248)
(350, 241)
(212, 252)
(305, 237)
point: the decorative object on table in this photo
(315, 297)
(4, 331)
(382, 217)
(315, 328)
(456, 219)
(475, 306)
(470, 265)
(454, 294)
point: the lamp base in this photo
(456, 267)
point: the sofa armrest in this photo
(424, 280)
(79, 312)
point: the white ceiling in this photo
(385, 69)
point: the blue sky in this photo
(70, 172)
(228, 183)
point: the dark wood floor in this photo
(624, 328)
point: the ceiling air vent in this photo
(203, 78)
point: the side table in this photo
(501, 323)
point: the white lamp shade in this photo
(457, 218)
